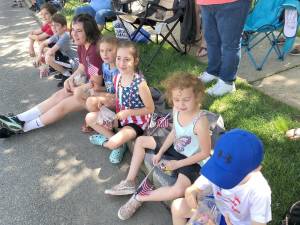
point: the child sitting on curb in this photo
(188, 145)
(134, 105)
(108, 52)
(233, 176)
(41, 34)
(60, 55)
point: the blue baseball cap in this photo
(237, 153)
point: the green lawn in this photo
(249, 109)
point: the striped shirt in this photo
(129, 98)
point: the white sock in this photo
(33, 124)
(30, 114)
(67, 73)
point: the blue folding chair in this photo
(265, 22)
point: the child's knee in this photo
(91, 118)
(92, 104)
(49, 59)
(177, 207)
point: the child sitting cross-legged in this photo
(232, 175)
(59, 54)
(188, 145)
(134, 104)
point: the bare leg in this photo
(92, 104)
(138, 155)
(91, 121)
(124, 135)
(31, 47)
(168, 193)
(180, 211)
(57, 112)
(53, 100)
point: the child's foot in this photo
(98, 139)
(126, 211)
(117, 154)
(125, 187)
(31, 52)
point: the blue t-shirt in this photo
(108, 77)
(100, 4)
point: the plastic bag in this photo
(106, 117)
(207, 210)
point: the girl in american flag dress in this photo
(134, 105)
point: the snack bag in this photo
(106, 117)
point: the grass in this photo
(249, 109)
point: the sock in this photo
(33, 124)
(67, 73)
(30, 114)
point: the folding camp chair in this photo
(265, 22)
(163, 13)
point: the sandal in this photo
(98, 139)
(86, 129)
(293, 134)
(202, 51)
(117, 154)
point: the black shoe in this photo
(61, 83)
(12, 123)
(58, 76)
(5, 133)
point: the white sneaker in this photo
(205, 77)
(221, 88)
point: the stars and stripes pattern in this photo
(162, 122)
(145, 188)
(92, 70)
(130, 99)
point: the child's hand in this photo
(227, 220)
(69, 85)
(156, 158)
(210, 222)
(171, 164)
(191, 194)
(122, 115)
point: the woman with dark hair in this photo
(73, 96)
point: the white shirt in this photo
(245, 203)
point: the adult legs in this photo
(213, 40)
(101, 15)
(230, 19)
(85, 9)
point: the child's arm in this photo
(191, 196)
(202, 131)
(146, 97)
(41, 50)
(165, 146)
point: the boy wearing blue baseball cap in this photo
(233, 176)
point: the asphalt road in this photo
(52, 175)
